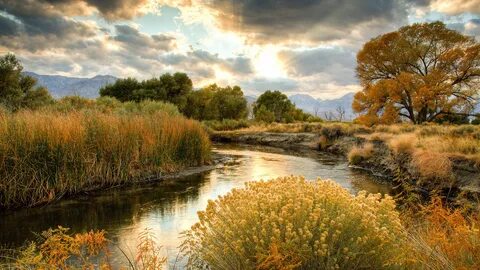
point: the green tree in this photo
(229, 103)
(264, 115)
(122, 89)
(18, 90)
(275, 102)
(170, 88)
(216, 103)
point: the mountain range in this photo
(60, 86)
(325, 108)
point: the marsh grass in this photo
(45, 155)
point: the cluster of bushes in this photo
(47, 154)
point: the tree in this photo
(18, 90)
(420, 72)
(275, 102)
(340, 112)
(170, 88)
(216, 103)
(264, 115)
(230, 103)
(122, 89)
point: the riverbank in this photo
(422, 161)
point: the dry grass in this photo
(442, 238)
(360, 153)
(432, 165)
(45, 155)
(402, 144)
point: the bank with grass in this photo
(48, 154)
(421, 160)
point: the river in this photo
(169, 207)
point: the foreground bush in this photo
(45, 155)
(293, 223)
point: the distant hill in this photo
(324, 106)
(60, 86)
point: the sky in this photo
(295, 46)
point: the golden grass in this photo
(45, 155)
(360, 153)
(291, 223)
(443, 238)
(402, 144)
(432, 165)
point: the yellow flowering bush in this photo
(292, 223)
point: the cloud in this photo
(256, 86)
(205, 63)
(285, 21)
(332, 64)
(143, 45)
(109, 9)
(33, 26)
(455, 7)
(470, 27)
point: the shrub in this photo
(293, 223)
(44, 155)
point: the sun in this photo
(267, 64)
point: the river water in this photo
(170, 207)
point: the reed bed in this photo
(47, 154)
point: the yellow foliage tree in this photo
(421, 72)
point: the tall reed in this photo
(45, 155)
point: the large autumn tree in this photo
(422, 72)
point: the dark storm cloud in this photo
(8, 27)
(36, 27)
(109, 9)
(314, 20)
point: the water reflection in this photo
(170, 207)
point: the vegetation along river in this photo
(170, 207)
